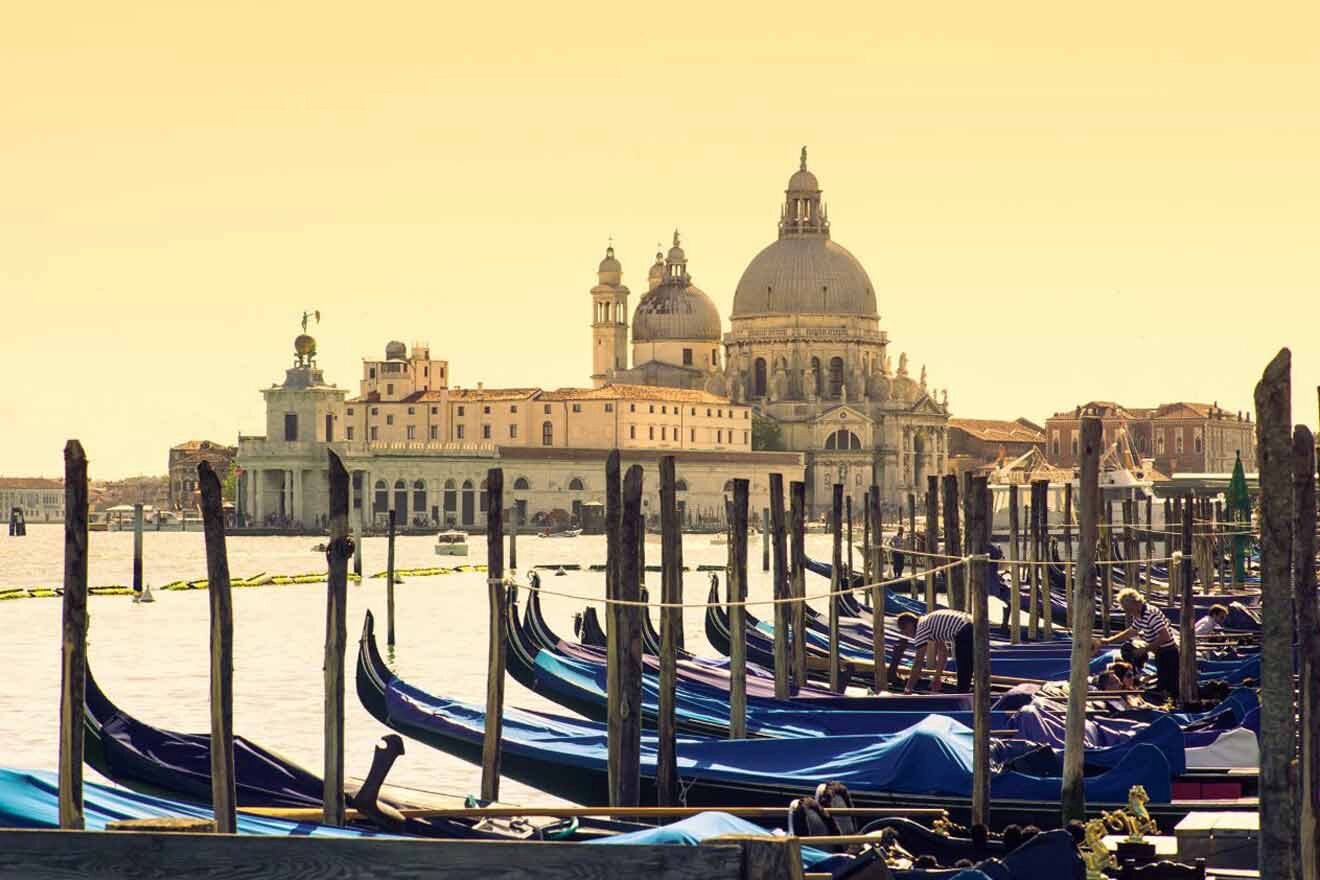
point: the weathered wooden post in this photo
(336, 637)
(1171, 522)
(513, 537)
(389, 583)
(73, 668)
(1083, 602)
(737, 594)
(953, 577)
(877, 602)
(1069, 575)
(1187, 689)
(867, 557)
(1278, 730)
(357, 546)
(223, 796)
(1012, 616)
(849, 540)
(490, 747)
(1150, 544)
(797, 491)
(932, 537)
(137, 547)
(780, 590)
(1308, 649)
(765, 539)
(1129, 545)
(836, 584)
(671, 593)
(1107, 566)
(1033, 569)
(979, 529)
(1046, 603)
(911, 542)
(625, 720)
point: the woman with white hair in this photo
(1148, 623)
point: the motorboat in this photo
(451, 542)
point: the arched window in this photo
(419, 496)
(521, 485)
(467, 485)
(728, 486)
(836, 377)
(382, 499)
(481, 498)
(815, 369)
(575, 485)
(451, 496)
(400, 501)
(758, 378)
(547, 434)
(843, 439)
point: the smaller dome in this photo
(304, 346)
(676, 311)
(396, 351)
(803, 181)
(609, 264)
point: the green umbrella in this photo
(1239, 511)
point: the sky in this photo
(1055, 203)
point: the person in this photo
(939, 627)
(896, 552)
(1150, 625)
(1213, 621)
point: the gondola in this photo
(922, 767)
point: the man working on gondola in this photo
(896, 552)
(940, 628)
(1148, 623)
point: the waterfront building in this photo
(420, 447)
(183, 461)
(1180, 437)
(978, 444)
(40, 499)
(804, 349)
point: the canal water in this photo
(153, 660)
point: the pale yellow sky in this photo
(1055, 202)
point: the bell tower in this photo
(609, 321)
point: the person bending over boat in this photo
(1213, 621)
(1150, 625)
(940, 628)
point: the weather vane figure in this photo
(315, 314)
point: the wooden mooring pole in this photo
(513, 536)
(73, 668)
(979, 531)
(736, 590)
(1187, 689)
(1033, 570)
(1013, 608)
(953, 577)
(880, 682)
(336, 638)
(671, 621)
(780, 590)
(223, 795)
(765, 539)
(848, 511)
(1150, 544)
(912, 543)
(1129, 545)
(867, 558)
(1107, 570)
(625, 720)
(1278, 730)
(1068, 573)
(932, 537)
(836, 584)
(797, 491)
(1046, 604)
(1308, 649)
(137, 547)
(389, 583)
(1083, 604)
(495, 654)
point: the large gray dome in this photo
(804, 275)
(676, 310)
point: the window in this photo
(485, 432)
(460, 410)
(350, 410)
(632, 432)
(513, 432)
(485, 410)
(664, 410)
(513, 408)
(1196, 441)
(719, 437)
(348, 433)
(521, 485)
(435, 410)
(547, 409)
(609, 407)
(419, 495)
(412, 432)
(632, 407)
(1178, 442)
(576, 485)
(547, 434)
(389, 388)
(290, 427)
(652, 434)
(694, 411)
(375, 433)
(744, 436)
(1055, 444)
(1159, 443)
(389, 419)
(662, 432)
(653, 407)
(707, 412)
(836, 377)
(715, 356)
(692, 435)
(371, 372)
(458, 432)
(412, 410)
(687, 357)
(435, 432)
(719, 413)
(843, 439)
(758, 378)
(577, 407)
(744, 415)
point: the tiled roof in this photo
(636, 392)
(30, 483)
(194, 445)
(997, 431)
(492, 393)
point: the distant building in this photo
(978, 444)
(184, 460)
(1181, 437)
(40, 499)
(421, 448)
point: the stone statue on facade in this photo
(886, 365)
(779, 383)
(902, 364)
(944, 398)
(923, 377)
(809, 383)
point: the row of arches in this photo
(830, 380)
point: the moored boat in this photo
(451, 542)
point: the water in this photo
(153, 660)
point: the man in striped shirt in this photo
(1148, 623)
(941, 627)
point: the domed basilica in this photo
(804, 348)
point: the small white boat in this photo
(451, 543)
(566, 533)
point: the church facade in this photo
(804, 349)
